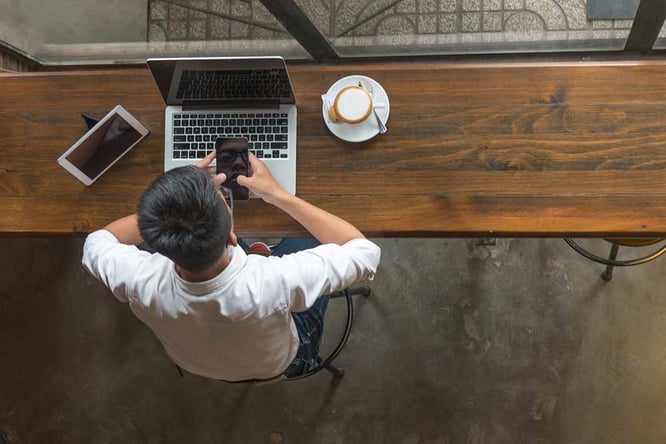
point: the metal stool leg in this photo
(607, 275)
(338, 372)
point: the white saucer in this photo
(367, 129)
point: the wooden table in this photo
(485, 150)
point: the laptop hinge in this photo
(229, 104)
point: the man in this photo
(217, 311)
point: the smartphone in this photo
(232, 159)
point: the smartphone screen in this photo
(232, 160)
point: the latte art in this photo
(352, 105)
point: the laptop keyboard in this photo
(247, 84)
(194, 134)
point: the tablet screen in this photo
(104, 146)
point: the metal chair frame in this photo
(612, 261)
(327, 363)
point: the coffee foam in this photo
(353, 104)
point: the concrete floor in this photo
(520, 342)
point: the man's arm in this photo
(324, 226)
(346, 257)
(126, 230)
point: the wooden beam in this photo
(647, 25)
(301, 28)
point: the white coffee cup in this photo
(352, 105)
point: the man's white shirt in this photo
(237, 325)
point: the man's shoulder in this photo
(102, 236)
(103, 244)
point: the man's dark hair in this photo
(183, 217)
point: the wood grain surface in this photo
(495, 150)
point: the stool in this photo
(612, 262)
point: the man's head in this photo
(183, 217)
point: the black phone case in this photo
(231, 157)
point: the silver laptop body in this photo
(213, 97)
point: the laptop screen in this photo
(224, 81)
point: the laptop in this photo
(213, 97)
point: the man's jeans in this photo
(310, 323)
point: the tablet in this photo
(103, 145)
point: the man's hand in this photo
(261, 182)
(205, 164)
